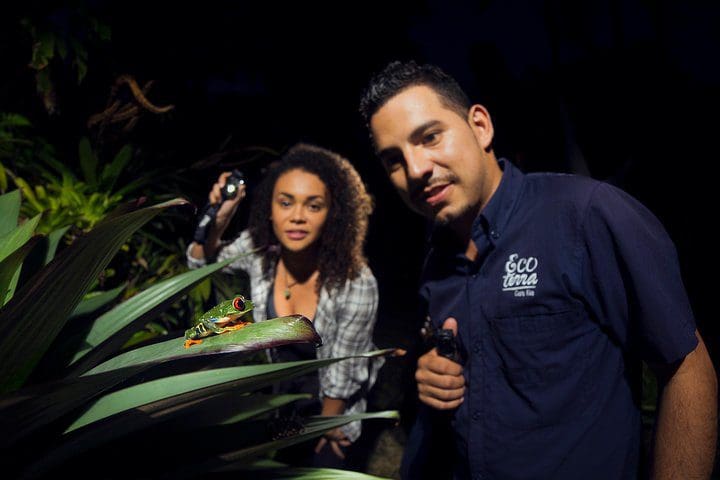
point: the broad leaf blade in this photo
(271, 470)
(233, 408)
(10, 269)
(256, 336)
(140, 406)
(97, 301)
(112, 171)
(25, 411)
(58, 288)
(311, 427)
(88, 163)
(9, 211)
(17, 237)
(41, 255)
(141, 307)
(164, 392)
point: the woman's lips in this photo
(437, 194)
(296, 234)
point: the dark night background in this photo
(623, 91)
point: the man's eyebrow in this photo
(421, 129)
(413, 135)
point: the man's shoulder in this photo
(559, 191)
(568, 185)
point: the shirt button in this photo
(476, 347)
(476, 415)
(494, 234)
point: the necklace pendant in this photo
(286, 293)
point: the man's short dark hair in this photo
(397, 76)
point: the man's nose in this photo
(419, 165)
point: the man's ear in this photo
(481, 124)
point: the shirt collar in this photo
(493, 219)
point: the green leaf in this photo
(61, 169)
(58, 288)
(88, 163)
(10, 270)
(43, 51)
(14, 120)
(112, 171)
(141, 307)
(271, 470)
(165, 393)
(3, 178)
(53, 240)
(9, 211)
(256, 336)
(28, 194)
(138, 183)
(41, 255)
(96, 300)
(312, 427)
(234, 407)
(145, 404)
(16, 238)
(27, 410)
(61, 48)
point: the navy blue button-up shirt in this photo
(575, 283)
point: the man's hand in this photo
(440, 381)
(336, 438)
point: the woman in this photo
(312, 210)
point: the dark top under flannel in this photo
(576, 282)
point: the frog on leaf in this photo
(224, 317)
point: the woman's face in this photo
(300, 205)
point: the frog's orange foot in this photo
(189, 343)
(238, 326)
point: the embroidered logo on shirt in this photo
(520, 276)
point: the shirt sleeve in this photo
(355, 323)
(632, 280)
(243, 244)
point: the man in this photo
(557, 286)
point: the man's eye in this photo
(392, 163)
(431, 138)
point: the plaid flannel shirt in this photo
(344, 319)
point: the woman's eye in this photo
(284, 203)
(315, 207)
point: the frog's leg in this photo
(189, 342)
(237, 326)
(211, 324)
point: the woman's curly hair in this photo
(343, 235)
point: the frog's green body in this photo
(222, 318)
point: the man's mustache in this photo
(417, 189)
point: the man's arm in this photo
(686, 427)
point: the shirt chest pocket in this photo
(538, 373)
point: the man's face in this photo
(435, 158)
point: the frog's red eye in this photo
(238, 303)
